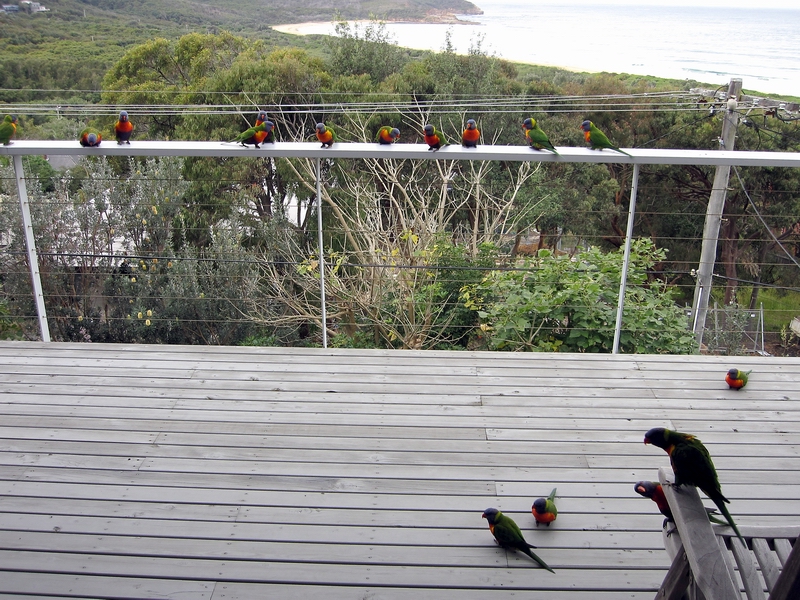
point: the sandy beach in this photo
(315, 26)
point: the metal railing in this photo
(345, 151)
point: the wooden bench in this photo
(710, 562)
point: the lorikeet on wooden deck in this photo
(736, 379)
(90, 137)
(692, 465)
(256, 135)
(123, 128)
(7, 129)
(434, 138)
(537, 139)
(471, 135)
(326, 135)
(509, 536)
(596, 139)
(387, 135)
(544, 509)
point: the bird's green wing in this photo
(598, 138)
(6, 131)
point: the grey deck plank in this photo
(138, 471)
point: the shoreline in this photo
(296, 29)
(444, 19)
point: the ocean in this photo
(709, 45)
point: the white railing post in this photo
(321, 257)
(30, 244)
(623, 280)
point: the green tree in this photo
(552, 303)
(370, 51)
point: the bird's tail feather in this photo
(552, 495)
(532, 554)
(724, 510)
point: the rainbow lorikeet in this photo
(387, 135)
(256, 135)
(508, 535)
(90, 137)
(471, 135)
(596, 139)
(654, 491)
(692, 465)
(544, 509)
(7, 129)
(326, 135)
(123, 128)
(736, 379)
(433, 137)
(537, 139)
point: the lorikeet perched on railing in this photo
(7, 129)
(471, 135)
(256, 135)
(387, 135)
(536, 138)
(654, 491)
(692, 465)
(123, 128)
(326, 135)
(433, 137)
(596, 139)
(90, 137)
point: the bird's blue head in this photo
(428, 129)
(91, 139)
(490, 514)
(394, 133)
(586, 125)
(471, 124)
(321, 127)
(529, 123)
(123, 115)
(656, 436)
(645, 488)
(540, 504)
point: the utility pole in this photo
(716, 205)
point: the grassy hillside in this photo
(73, 45)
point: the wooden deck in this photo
(213, 472)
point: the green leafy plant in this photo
(554, 303)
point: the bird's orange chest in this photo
(124, 126)
(544, 517)
(472, 135)
(735, 383)
(587, 135)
